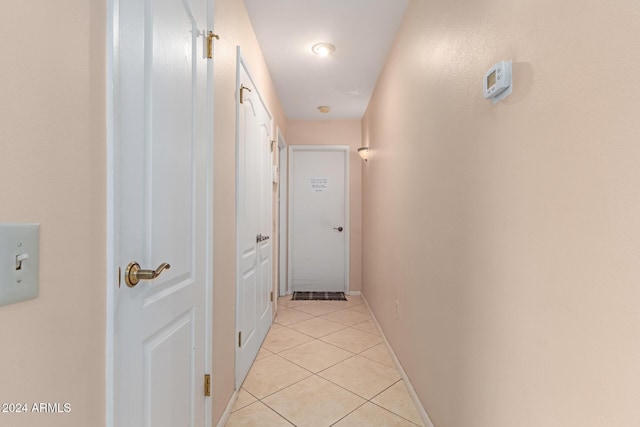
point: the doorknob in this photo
(133, 274)
(338, 229)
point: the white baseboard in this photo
(355, 293)
(421, 411)
(227, 412)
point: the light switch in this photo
(19, 262)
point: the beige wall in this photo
(233, 25)
(339, 132)
(52, 171)
(509, 234)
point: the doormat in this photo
(319, 296)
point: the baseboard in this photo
(227, 412)
(355, 293)
(421, 411)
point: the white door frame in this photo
(113, 275)
(240, 62)
(282, 220)
(346, 150)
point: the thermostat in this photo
(497, 82)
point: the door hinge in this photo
(240, 339)
(210, 37)
(271, 296)
(207, 385)
(273, 143)
(243, 88)
(119, 276)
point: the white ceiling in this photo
(362, 31)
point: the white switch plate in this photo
(19, 262)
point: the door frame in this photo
(240, 62)
(282, 217)
(347, 178)
(113, 273)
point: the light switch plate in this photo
(19, 262)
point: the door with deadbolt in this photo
(318, 218)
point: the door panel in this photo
(318, 204)
(254, 309)
(160, 356)
(160, 215)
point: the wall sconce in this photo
(364, 153)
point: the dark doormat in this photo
(321, 296)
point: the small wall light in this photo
(364, 153)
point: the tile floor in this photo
(323, 363)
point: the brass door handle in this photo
(133, 274)
(242, 89)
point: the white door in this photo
(318, 218)
(282, 221)
(160, 157)
(254, 312)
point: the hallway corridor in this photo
(324, 363)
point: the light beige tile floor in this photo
(322, 364)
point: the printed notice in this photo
(319, 184)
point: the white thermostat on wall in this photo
(497, 82)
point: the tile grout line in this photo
(360, 354)
(346, 415)
(422, 412)
(323, 336)
(328, 343)
(394, 413)
(312, 374)
(327, 313)
(338, 385)
(328, 380)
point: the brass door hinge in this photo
(207, 385)
(242, 88)
(210, 37)
(240, 339)
(271, 296)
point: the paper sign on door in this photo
(319, 184)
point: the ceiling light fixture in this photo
(323, 49)
(364, 153)
(324, 109)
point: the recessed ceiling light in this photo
(324, 109)
(323, 49)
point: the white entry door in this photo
(254, 309)
(318, 218)
(160, 167)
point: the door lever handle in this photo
(261, 238)
(133, 274)
(338, 229)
